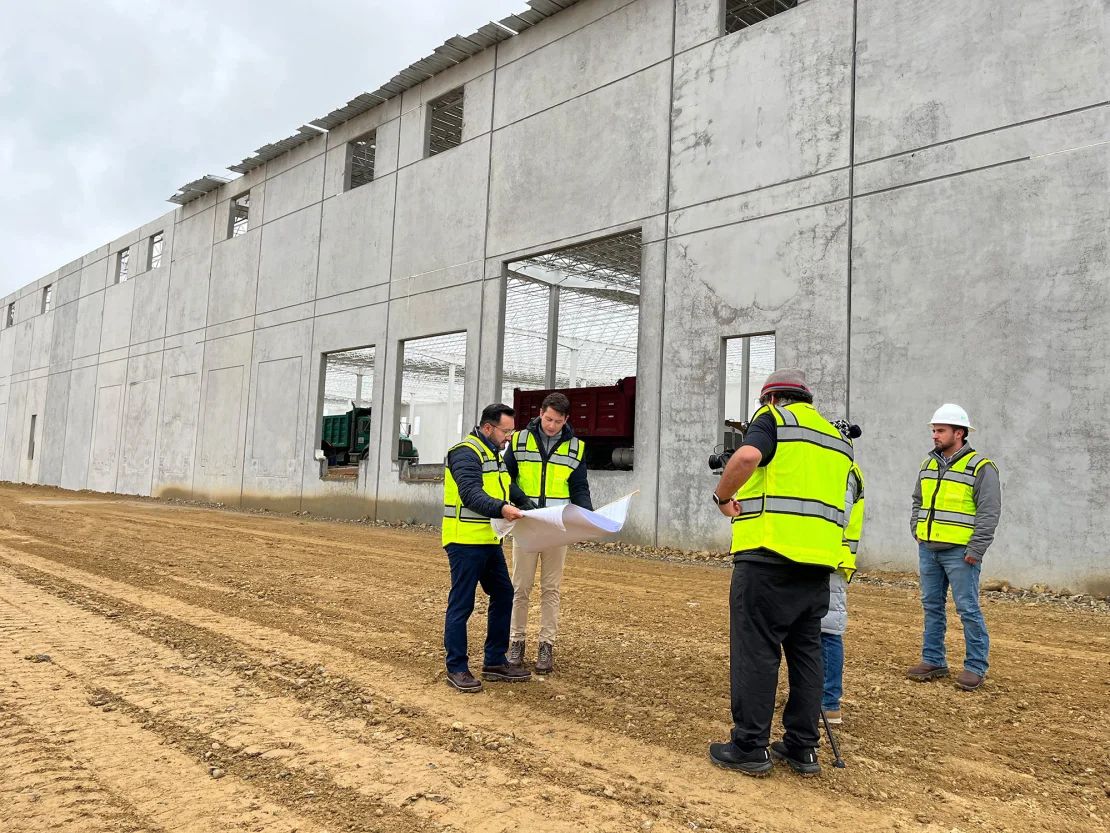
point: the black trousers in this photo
(775, 609)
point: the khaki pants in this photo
(524, 576)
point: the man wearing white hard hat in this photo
(956, 505)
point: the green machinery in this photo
(346, 437)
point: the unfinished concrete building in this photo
(909, 200)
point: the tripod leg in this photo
(839, 764)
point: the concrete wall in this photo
(912, 198)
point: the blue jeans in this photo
(941, 569)
(471, 565)
(832, 651)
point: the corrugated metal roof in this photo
(453, 51)
(198, 188)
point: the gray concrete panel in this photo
(542, 199)
(140, 425)
(225, 386)
(930, 324)
(633, 37)
(194, 234)
(188, 293)
(356, 238)
(478, 109)
(294, 189)
(16, 433)
(94, 277)
(287, 267)
(67, 289)
(111, 382)
(52, 447)
(441, 210)
(79, 422)
(7, 351)
(179, 409)
(62, 336)
(234, 282)
(90, 316)
(42, 337)
(23, 337)
(118, 306)
(784, 274)
(766, 105)
(554, 28)
(955, 67)
(696, 21)
(150, 305)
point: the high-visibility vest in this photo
(794, 506)
(461, 525)
(947, 512)
(547, 482)
(855, 523)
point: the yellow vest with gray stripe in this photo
(461, 525)
(546, 483)
(947, 513)
(855, 524)
(794, 506)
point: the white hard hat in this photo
(949, 414)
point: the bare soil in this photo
(166, 667)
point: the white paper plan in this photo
(558, 526)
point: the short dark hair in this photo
(491, 414)
(961, 428)
(556, 401)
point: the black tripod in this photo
(832, 741)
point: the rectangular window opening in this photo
(749, 360)
(740, 14)
(121, 264)
(433, 383)
(445, 122)
(239, 219)
(154, 251)
(346, 412)
(48, 297)
(31, 441)
(572, 325)
(360, 160)
(9, 319)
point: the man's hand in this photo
(973, 560)
(511, 513)
(730, 508)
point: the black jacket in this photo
(466, 468)
(578, 483)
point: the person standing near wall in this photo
(784, 490)
(547, 462)
(477, 487)
(956, 505)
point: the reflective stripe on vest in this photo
(947, 512)
(462, 525)
(794, 506)
(855, 523)
(547, 482)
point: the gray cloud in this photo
(107, 107)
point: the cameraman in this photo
(784, 489)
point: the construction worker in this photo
(547, 462)
(476, 487)
(956, 505)
(784, 490)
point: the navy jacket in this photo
(578, 483)
(466, 468)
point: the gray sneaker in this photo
(516, 654)
(545, 662)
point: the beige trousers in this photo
(524, 576)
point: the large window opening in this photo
(748, 361)
(345, 423)
(445, 122)
(433, 376)
(572, 324)
(740, 14)
(360, 160)
(238, 220)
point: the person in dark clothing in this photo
(476, 488)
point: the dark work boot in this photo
(516, 653)
(545, 662)
(729, 756)
(802, 760)
(967, 680)
(923, 672)
(506, 673)
(464, 681)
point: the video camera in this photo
(734, 438)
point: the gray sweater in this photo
(987, 493)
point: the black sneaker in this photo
(506, 673)
(802, 760)
(729, 756)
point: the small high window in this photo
(360, 160)
(740, 14)
(121, 265)
(9, 320)
(48, 297)
(445, 122)
(239, 220)
(154, 251)
(31, 441)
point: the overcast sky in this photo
(107, 107)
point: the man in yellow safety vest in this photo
(784, 490)
(956, 505)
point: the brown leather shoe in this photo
(506, 673)
(464, 681)
(968, 680)
(923, 672)
(545, 661)
(516, 653)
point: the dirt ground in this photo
(166, 667)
